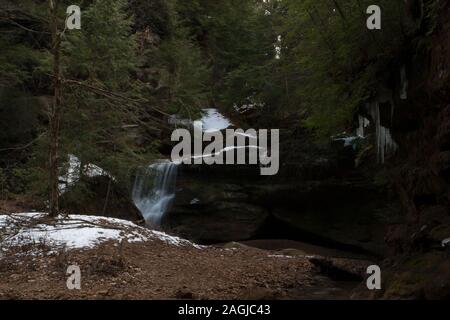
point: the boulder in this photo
(214, 204)
(219, 220)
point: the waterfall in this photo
(154, 190)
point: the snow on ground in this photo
(73, 173)
(75, 231)
(251, 104)
(212, 121)
(280, 256)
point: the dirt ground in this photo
(157, 270)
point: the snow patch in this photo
(195, 201)
(76, 231)
(73, 173)
(349, 141)
(174, 240)
(212, 121)
(280, 256)
(250, 105)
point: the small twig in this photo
(25, 28)
(109, 93)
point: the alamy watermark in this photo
(374, 20)
(236, 147)
(73, 21)
(374, 280)
(74, 280)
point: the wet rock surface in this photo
(235, 204)
(214, 210)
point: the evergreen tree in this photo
(331, 60)
(100, 92)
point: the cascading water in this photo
(154, 190)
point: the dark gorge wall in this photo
(318, 196)
(421, 126)
(419, 263)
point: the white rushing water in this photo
(155, 186)
(154, 190)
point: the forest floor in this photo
(151, 265)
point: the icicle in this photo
(363, 124)
(384, 142)
(403, 84)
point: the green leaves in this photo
(332, 60)
(104, 49)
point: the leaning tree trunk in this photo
(55, 110)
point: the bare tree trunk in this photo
(55, 111)
(108, 192)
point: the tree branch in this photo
(111, 94)
(24, 146)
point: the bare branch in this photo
(111, 94)
(26, 145)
